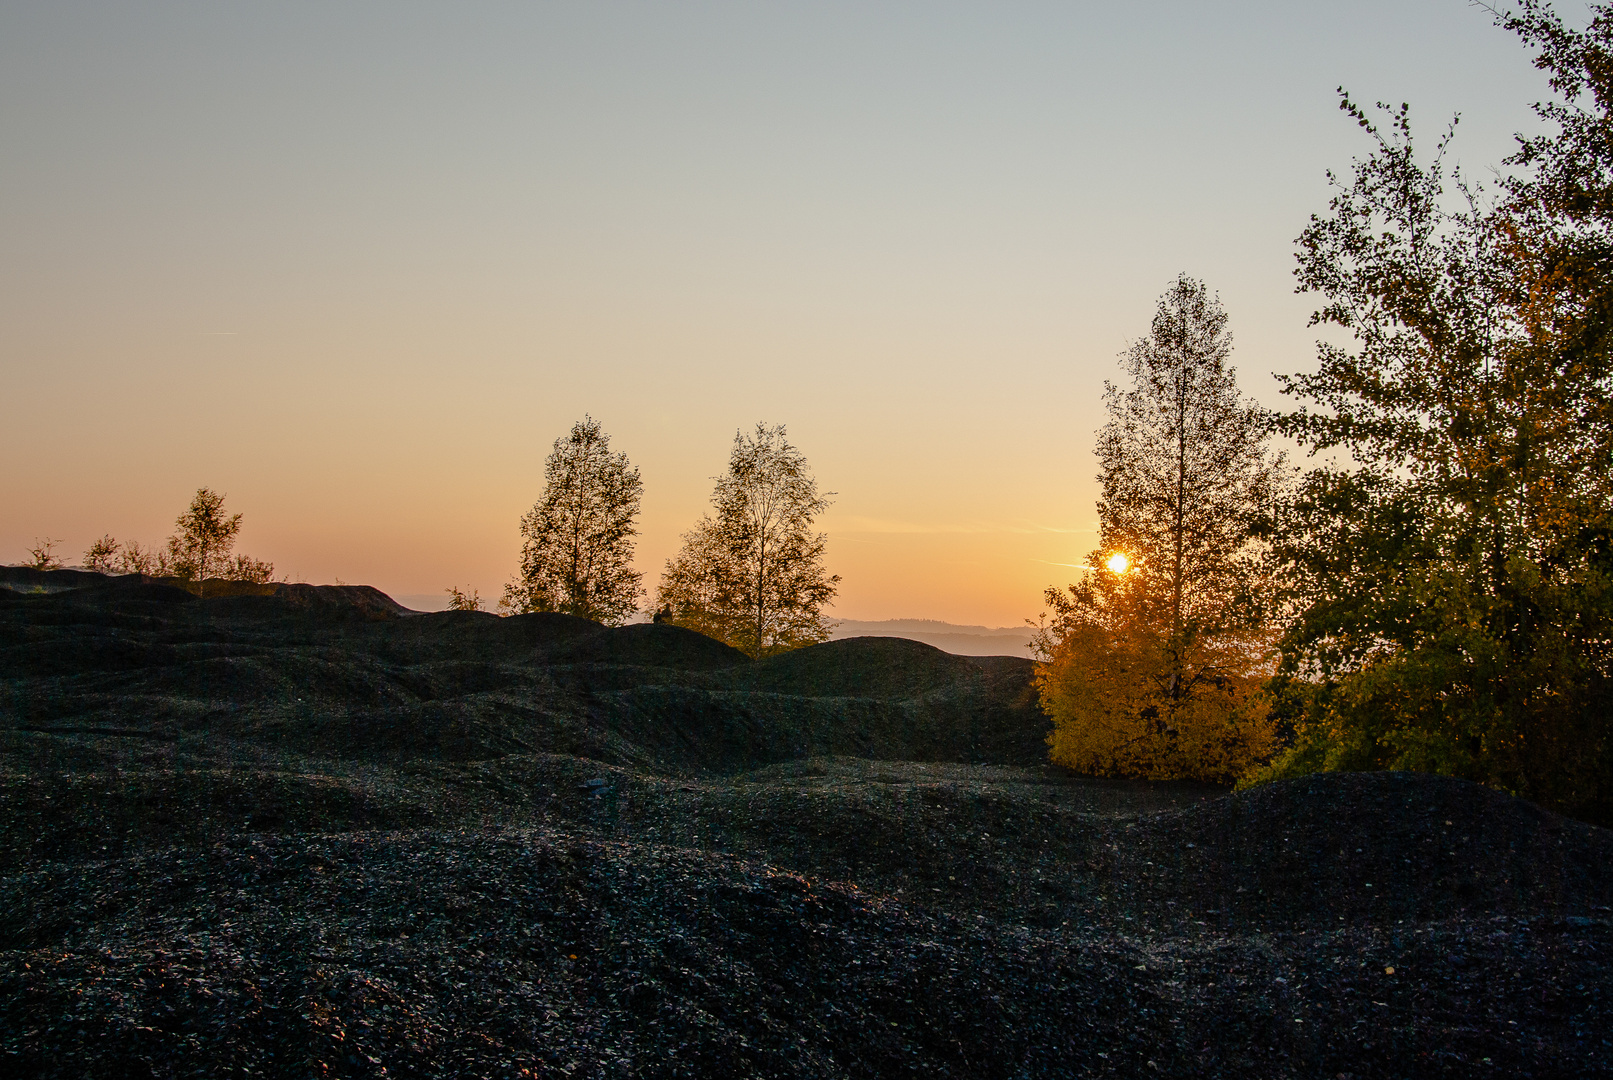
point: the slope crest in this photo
(877, 667)
(649, 645)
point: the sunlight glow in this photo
(1118, 562)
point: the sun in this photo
(1118, 562)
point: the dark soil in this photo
(294, 831)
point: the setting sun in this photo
(1118, 562)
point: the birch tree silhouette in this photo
(577, 554)
(751, 573)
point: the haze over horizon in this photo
(358, 265)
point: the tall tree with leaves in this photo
(1153, 661)
(577, 555)
(1455, 557)
(751, 573)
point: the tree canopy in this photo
(1451, 551)
(1153, 660)
(201, 547)
(751, 573)
(577, 554)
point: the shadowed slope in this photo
(860, 667)
(309, 835)
(995, 928)
(343, 672)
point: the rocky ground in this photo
(306, 834)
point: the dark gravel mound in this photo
(1384, 845)
(102, 591)
(534, 953)
(650, 645)
(341, 671)
(304, 834)
(477, 636)
(249, 600)
(26, 579)
(877, 667)
(579, 947)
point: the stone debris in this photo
(244, 838)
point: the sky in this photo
(357, 265)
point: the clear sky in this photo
(358, 264)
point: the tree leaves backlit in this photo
(1153, 662)
(577, 553)
(751, 573)
(1455, 558)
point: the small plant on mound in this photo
(108, 556)
(1153, 662)
(460, 600)
(42, 555)
(102, 556)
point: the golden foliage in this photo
(1125, 702)
(1155, 660)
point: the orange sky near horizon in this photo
(380, 487)
(357, 266)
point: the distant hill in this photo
(432, 601)
(948, 637)
(955, 638)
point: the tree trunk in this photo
(1177, 538)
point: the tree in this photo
(246, 568)
(1455, 561)
(577, 556)
(751, 573)
(134, 559)
(108, 556)
(101, 556)
(1153, 662)
(201, 548)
